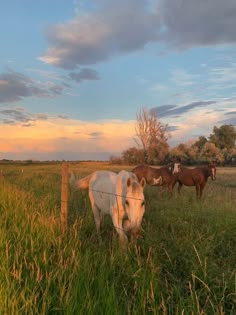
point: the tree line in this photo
(151, 144)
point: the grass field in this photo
(183, 263)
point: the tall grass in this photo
(183, 263)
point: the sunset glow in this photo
(74, 74)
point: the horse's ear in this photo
(143, 182)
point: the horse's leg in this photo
(170, 188)
(97, 215)
(198, 191)
(179, 187)
(162, 191)
(117, 219)
(201, 189)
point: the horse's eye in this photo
(142, 204)
(126, 202)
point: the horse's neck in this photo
(121, 185)
(167, 169)
(206, 172)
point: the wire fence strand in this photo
(113, 194)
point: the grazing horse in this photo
(195, 177)
(163, 176)
(119, 195)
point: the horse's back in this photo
(152, 174)
(146, 171)
(102, 190)
(191, 176)
(140, 171)
(103, 180)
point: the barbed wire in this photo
(113, 194)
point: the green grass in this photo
(183, 263)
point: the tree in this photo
(223, 137)
(151, 135)
(179, 152)
(133, 156)
(115, 159)
(210, 153)
(200, 142)
(230, 156)
(193, 153)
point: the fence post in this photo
(64, 197)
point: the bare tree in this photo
(151, 134)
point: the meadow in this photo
(184, 261)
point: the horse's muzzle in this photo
(132, 230)
(135, 231)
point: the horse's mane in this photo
(135, 186)
(206, 169)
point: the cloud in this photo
(172, 128)
(63, 116)
(163, 110)
(57, 138)
(173, 110)
(84, 74)
(8, 122)
(16, 115)
(231, 113)
(196, 119)
(229, 121)
(55, 89)
(230, 118)
(25, 136)
(27, 125)
(115, 28)
(15, 86)
(41, 117)
(96, 134)
(190, 23)
(191, 126)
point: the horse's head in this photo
(134, 206)
(176, 167)
(212, 171)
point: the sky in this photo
(74, 74)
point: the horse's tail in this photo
(82, 183)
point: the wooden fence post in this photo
(64, 197)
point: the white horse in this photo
(120, 195)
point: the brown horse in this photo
(158, 176)
(195, 177)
